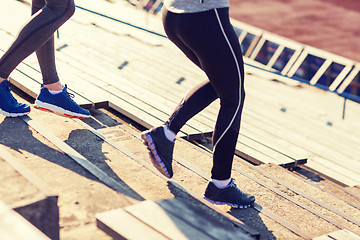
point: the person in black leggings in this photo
(37, 35)
(208, 39)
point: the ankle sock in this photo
(55, 92)
(169, 134)
(221, 183)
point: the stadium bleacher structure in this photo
(288, 144)
(292, 118)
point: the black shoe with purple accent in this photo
(230, 195)
(160, 150)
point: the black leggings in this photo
(209, 40)
(37, 35)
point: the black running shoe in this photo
(160, 150)
(231, 195)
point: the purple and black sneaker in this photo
(230, 195)
(160, 150)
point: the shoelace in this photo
(71, 95)
(232, 184)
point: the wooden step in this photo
(339, 235)
(27, 195)
(166, 219)
(14, 226)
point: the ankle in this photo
(221, 183)
(170, 135)
(2, 79)
(55, 87)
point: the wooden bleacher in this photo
(284, 118)
(279, 127)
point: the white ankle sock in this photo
(55, 92)
(169, 134)
(221, 183)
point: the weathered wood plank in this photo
(28, 195)
(199, 219)
(324, 237)
(159, 219)
(334, 171)
(81, 160)
(167, 219)
(14, 226)
(121, 225)
(25, 172)
(342, 234)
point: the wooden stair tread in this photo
(14, 226)
(166, 219)
(339, 235)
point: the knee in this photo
(69, 9)
(233, 100)
(63, 9)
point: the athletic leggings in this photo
(209, 40)
(38, 35)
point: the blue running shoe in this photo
(60, 103)
(160, 150)
(230, 195)
(9, 106)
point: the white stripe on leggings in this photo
(238, 68)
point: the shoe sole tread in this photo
(234, 205)
(58, 110)
(8, 114)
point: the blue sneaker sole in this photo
(229, 204)
(154, 157)
(8, 114)
(58, 110)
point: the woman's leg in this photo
(39, 29)
(38, 35)
(197, 98)
(209, 38)
(46, 54)
(160, 140)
